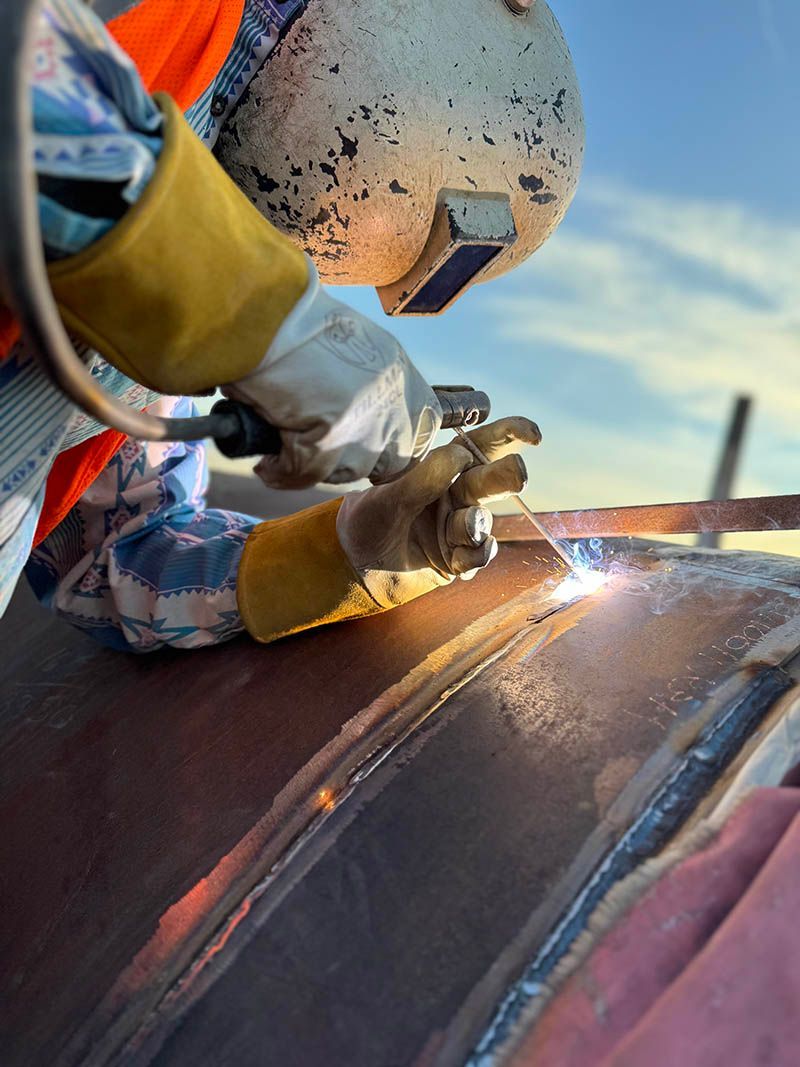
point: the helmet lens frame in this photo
(468, 232)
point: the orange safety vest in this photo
(179, 47)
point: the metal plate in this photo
(142, 796)
(157, 906)
(476, 849)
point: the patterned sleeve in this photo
(97, 132)
(140, 562)
(96, 129)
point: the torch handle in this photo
(240, 431)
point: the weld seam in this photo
(667, 810)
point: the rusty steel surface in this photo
(462, 858)
(141, 796)
(342, 848)
(749, 514)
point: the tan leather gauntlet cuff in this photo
(294, 575)
(191, 285)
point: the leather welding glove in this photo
(346, 398)
(384, 546)
(193, 288)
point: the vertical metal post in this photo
(728, 461)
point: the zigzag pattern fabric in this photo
(140, 562)
(36, 423)
(94, 119)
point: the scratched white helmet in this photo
(417, 146)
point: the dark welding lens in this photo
(469, 231)
(450, 279)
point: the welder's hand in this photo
(432, 525)
(371, 551)
(346, 398)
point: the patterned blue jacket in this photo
(140, 562)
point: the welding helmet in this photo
(417, 147)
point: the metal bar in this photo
(749, 514)
(728, 462)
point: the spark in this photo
(583, 581)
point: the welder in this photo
(418, 148)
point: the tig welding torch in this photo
(239, 431)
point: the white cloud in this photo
(698, 299)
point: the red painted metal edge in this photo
(701, 516)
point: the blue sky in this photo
(672, 283)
